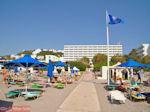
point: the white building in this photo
(53, 50)
(35, 52)
(16, 56)
(53, 58)
(122, 72)
(74, 52)
(40, 57)
(143, 50)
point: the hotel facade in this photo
(143, 50)
(75, 52)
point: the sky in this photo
(51, 24)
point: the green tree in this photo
(117, 58)
(134, 55)
(97, 66)
(43, 53)
(79, 65)
(145, 60)
(85, 61)
(99, 58)
(25, 52)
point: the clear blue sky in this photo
(51, 24)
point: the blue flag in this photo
(114, 20)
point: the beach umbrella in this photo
(131, 63)
(148, 65)
(45, 67)
(26, 61)
(9, 68)
(50, 69)
(16, 70)
(72, 71)
(75, 69)
(59, 63)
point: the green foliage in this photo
(117, 58)
(134, 55)
(145, 60)
(25, 52)
(43, 53)
(85, 61)
(99, 58)
(97, 66)
(79, 65)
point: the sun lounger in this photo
(137, 97)
(55, 84)
(32, 95)
(121, 88)
(37, 86)
(13, 93)
(145, 83)
(117, 95)
(147, 95)
(60, 86)
(109, 87)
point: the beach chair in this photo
(109, 87)
(69, 81)
(117, 95)
(13, 93)
(145, 83)
(147, 95)
(37, 86)
(137, 97)
(134, 85)
(121, 88)
(55, 84)
(61, 86)
(33, 95)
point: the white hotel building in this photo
(143, 50)
(74, 52)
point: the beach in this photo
(85, 95)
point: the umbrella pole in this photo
(26, 78)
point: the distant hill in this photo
(42, 53)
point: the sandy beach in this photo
(85, 95)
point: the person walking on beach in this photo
(139, 76)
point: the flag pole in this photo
(107, 21)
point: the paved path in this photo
(83, 98)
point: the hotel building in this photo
(143, 50)
(74, 52)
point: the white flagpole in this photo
(107, 21)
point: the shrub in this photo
(79, 65)
(97, 66)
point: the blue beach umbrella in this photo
(131, 63)
(26, 61)
(59, 63)
(45, 67)
(9, 68)
(72, 71)
(50, 69)
(16, 70)
(148, 65)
